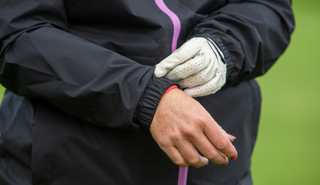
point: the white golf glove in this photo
(198, 65)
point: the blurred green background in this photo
(287, 146)
(288, 140)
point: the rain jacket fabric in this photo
(81, 92)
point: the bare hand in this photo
(181, 123)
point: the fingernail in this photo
(234, 137)
(205, 160)
(234, 157)
(226, 163)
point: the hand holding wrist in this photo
(180, 124)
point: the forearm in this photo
(79, 77)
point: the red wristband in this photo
(169, 89)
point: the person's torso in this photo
(71, 151)
(144, 30)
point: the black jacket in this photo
(81, 90)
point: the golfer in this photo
(144, 92)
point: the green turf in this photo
(1, 92)
(287, 146)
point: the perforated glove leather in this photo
(198, 66)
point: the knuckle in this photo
(163, 144)
(202, 120)
(179, 162)
(222, 143)
(211, 155)
(189, 132)
(193, 161)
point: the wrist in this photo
(169, 89)
(149, 101)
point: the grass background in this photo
(288, 141)
(287, 146)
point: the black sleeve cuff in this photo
(150, 99)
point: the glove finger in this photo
(188, 68)
(199, 78)
(210, 87)
(187, 51)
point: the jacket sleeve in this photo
(252, 35)
(40, 59)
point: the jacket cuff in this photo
(150, 99)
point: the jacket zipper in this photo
(175, 21)
(183, 172)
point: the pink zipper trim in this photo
(175, 21)
(183, 172)
(183, 176)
